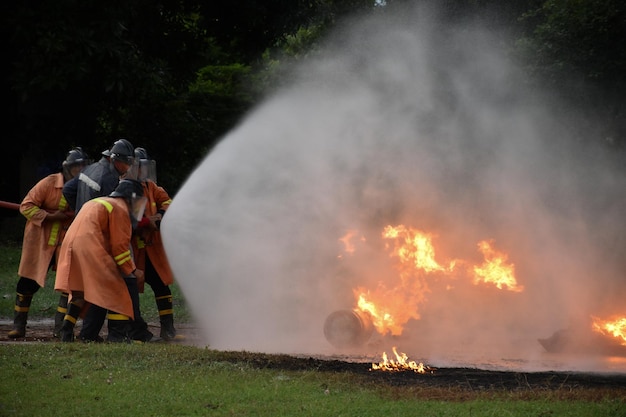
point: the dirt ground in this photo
(457, 383)
(41, 331)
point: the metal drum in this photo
(348, 328)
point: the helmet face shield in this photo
(147, 166)
(132, 192)
(147, 170)
(133, 171)
(137, 207)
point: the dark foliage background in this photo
(174, 76)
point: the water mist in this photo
(399, 120)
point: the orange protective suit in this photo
(42, 238)
(95, 255)
(148, 240)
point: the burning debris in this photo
(347, 329)
(600, 337)
(387, 309)
(615, 327)
(401, 363)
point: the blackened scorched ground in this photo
(441, 383)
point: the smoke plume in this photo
(400, 120)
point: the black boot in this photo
(139, 331)
(166, 317)
(59, 316)
(93, 321)
(22, 305)
(66, 332)
(139, 328)
(119, 328)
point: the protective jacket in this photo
(147, 241)
(42, 238)
(96, 180)
(95, 255)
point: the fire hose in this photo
(9, 205)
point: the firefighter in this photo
(96, 180)
(47, 218)
(147, 244)
(100, 178)
(96, 264)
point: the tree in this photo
(88, 72)
(579, 48)
(176, 75)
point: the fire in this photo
(495, 270)
(347, 241)
(388, 311)
(414, 247)
(401, 363)
(392, 307)
(614, 327)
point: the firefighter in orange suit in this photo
(47, 218)
(96, 264)
(96, 180)
(147, 244)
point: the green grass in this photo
(56, 379)
(46, 299)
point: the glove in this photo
(140, 279)
(144, 222)
(57, 216)
(155, 221)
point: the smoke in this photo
(400, 120)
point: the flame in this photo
(391, 308)
(401, 363)
(347, 241)
(495, 270)
(414, 247)
(388, 309)
(614, 327)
